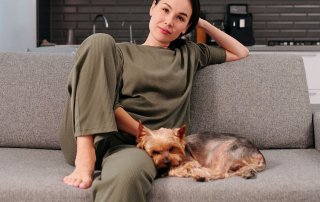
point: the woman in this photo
(112, 86)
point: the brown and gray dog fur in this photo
(205, 156)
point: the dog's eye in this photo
(171, 149)
(155, 152)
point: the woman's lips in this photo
(164, 31)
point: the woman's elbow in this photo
(244, 53)
(240, 55)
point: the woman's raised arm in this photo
(234, 49)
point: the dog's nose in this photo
(167, 162)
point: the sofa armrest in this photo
(316, 124)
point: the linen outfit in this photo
(152, 84)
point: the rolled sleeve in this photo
(209, 55)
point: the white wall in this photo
(18, 25)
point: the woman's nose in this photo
(169, 20)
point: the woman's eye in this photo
(165, 10)
(180, 18)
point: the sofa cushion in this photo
(316, 123)
(268, 104)
(262, 97)
(291, 176)
(36, 175)
(33, 88)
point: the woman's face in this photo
(169, 18)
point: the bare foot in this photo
(81, 177)
(83, 173)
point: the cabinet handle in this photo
(312, 94)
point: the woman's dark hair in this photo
(195, 4)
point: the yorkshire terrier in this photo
(205, 156)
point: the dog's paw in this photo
(249, 174)
(201, 179)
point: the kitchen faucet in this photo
(94, 22)
(130, 29)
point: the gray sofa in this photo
(262, 97)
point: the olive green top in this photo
(157, 82)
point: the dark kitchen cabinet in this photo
(43, 21)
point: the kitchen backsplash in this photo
(272, 19)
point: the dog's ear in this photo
(141, 133)
(181, 132)
(141, 130)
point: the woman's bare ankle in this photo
(82, 175)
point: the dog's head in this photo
(165, 146)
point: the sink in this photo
(55, 49)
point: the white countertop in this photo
(283, 48)
(73, 48)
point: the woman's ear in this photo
(185, 30)
(152, 7)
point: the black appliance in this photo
(239, 24)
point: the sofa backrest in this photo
(33, 96)
(262, 97)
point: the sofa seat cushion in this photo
(36, 175)
(291, 175)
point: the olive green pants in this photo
(126, 171)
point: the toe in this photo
(83, 185)
(77, 183)
(72, 181)
(67, 180)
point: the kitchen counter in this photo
(283, 48)
(55, 49)
(73, 48)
